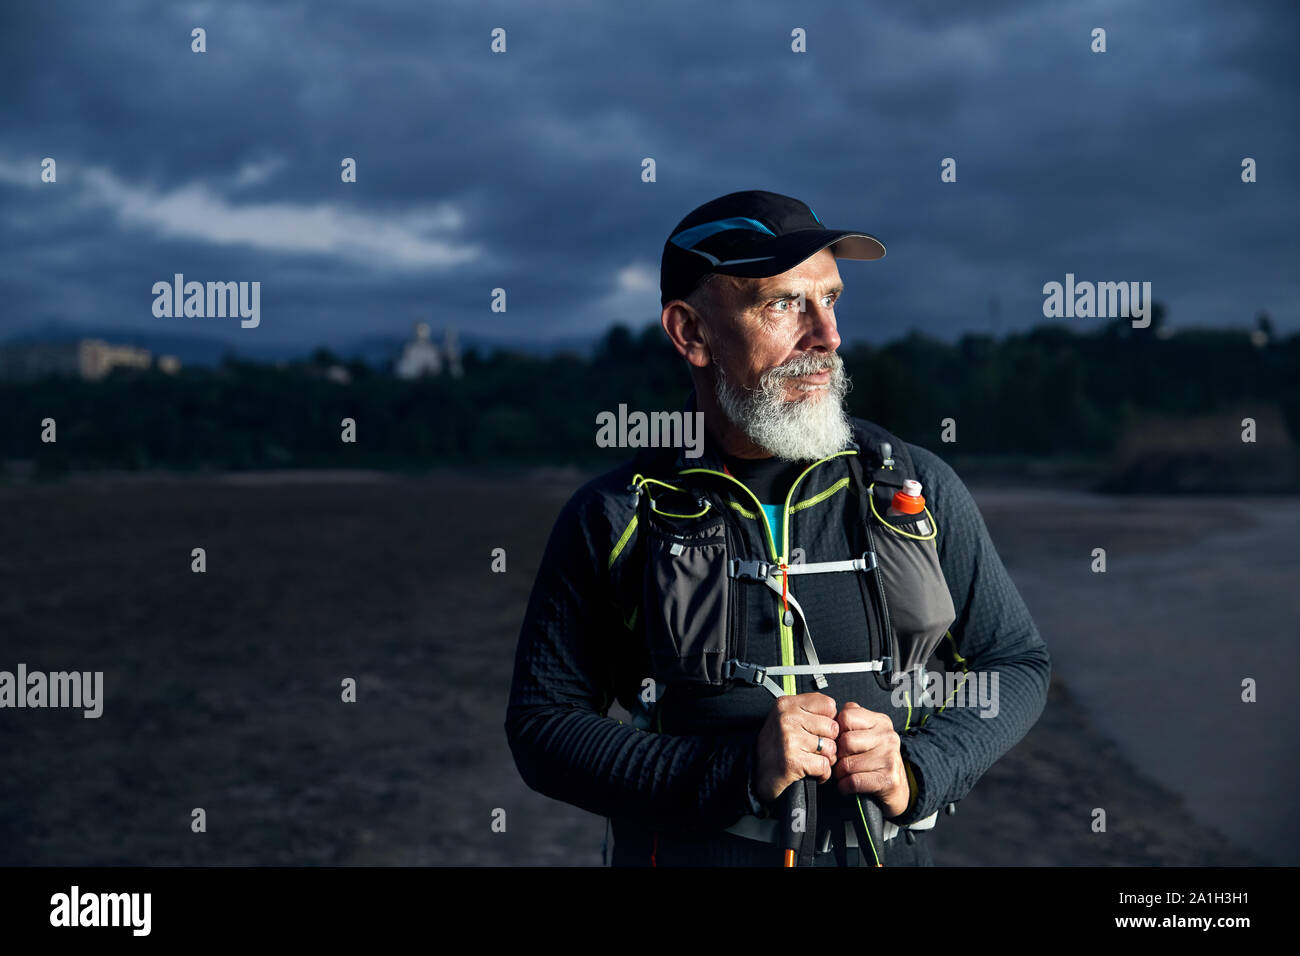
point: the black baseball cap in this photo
(752, 233)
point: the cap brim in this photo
(785, 252)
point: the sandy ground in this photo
(1199, 594)
(223, 689)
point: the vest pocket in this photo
(920, 605)
(686, 597)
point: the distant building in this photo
(419, 356)
(89, 359)
(422, 356)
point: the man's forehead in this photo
(789, 283)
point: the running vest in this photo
(724, 620)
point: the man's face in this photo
(755, 326)
(775, 371)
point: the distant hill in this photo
(374, 350)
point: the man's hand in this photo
(869, 758)
(787, 744)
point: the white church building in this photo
(422, 356)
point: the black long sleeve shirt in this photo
(569, 669)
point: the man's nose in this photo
(819, 329)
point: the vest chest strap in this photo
(760, 676)
(766, 570)
(770, 574)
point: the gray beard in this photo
(806, 429)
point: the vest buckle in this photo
(755, 570)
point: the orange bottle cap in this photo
(909, 500)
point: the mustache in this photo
(807, 364)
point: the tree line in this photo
(1048, 391)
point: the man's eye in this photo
(791, 304)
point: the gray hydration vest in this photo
(719, 610)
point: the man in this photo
(742, 608)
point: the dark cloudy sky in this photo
(523, 169)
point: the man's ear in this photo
(685, 329)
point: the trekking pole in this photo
(796, 807)
(869, 824)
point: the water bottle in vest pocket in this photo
(686, 590)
